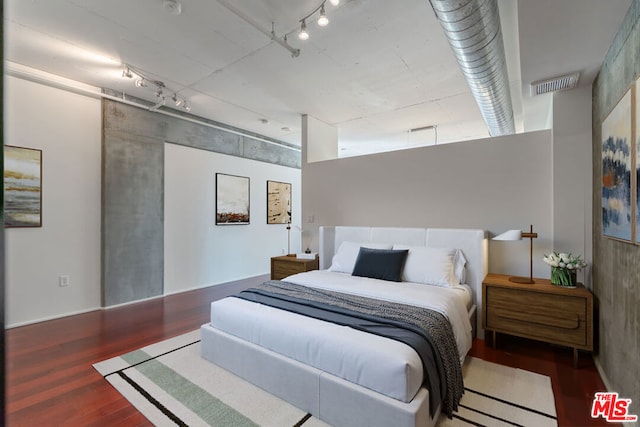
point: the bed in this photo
(340, 374)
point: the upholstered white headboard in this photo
(472, 242)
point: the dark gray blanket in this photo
(427, 331)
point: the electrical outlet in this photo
(63, 280)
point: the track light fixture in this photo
(303, 35)
(156, 85)
(323, 21)
(178, 101)
(127, 73)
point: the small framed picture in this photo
(22, 187)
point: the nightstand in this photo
(286, 265)
(539, 311)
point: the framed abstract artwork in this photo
(22, 187)
(618, 221)
(278, 202)
(232, 199)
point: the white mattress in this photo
(380, 364)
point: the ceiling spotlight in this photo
(127, 73)
(141, 83)
(303, 35)
(186, 106)
(159, 94)
(323, 20)
(334, 2)
(177, 100)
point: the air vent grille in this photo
(568, 81)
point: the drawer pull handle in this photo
(539, 319)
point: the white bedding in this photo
(381, 364)
(452, 302)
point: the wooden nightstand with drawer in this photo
(286, 265)
(539, 311)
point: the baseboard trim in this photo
(54, 317)
(249, 281)
(254, 280)
(603, 375)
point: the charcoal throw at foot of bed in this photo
(427, 331)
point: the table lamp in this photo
(289, 227)
(518, 235)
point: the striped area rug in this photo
(170, 384)
(497, 395)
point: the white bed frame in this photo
(330, 398)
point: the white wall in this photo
(197, 252)
(320, 140)
(67, 128)
(495, 184)
(572, 169)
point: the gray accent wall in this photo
(616, 265)
(133, 192)
(132, 206)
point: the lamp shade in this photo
(509, 235)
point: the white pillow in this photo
(459, 270)
(432, 266)
(345, 259)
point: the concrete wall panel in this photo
(132, 217)
(616, 266)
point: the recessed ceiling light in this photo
(286, 128)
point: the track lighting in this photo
(323, 21)
(178, 101)
(158, 86)
(303, 35)
(127, 73)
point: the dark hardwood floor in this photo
(51, 380)
(573, 388)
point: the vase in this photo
(563, 277)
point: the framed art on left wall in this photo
(22, 187)
(232, 199)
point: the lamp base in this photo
(525, 280)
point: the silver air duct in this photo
(473, 30)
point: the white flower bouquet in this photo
(564, 267)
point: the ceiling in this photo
(379, 69)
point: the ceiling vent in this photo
(568, 81)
